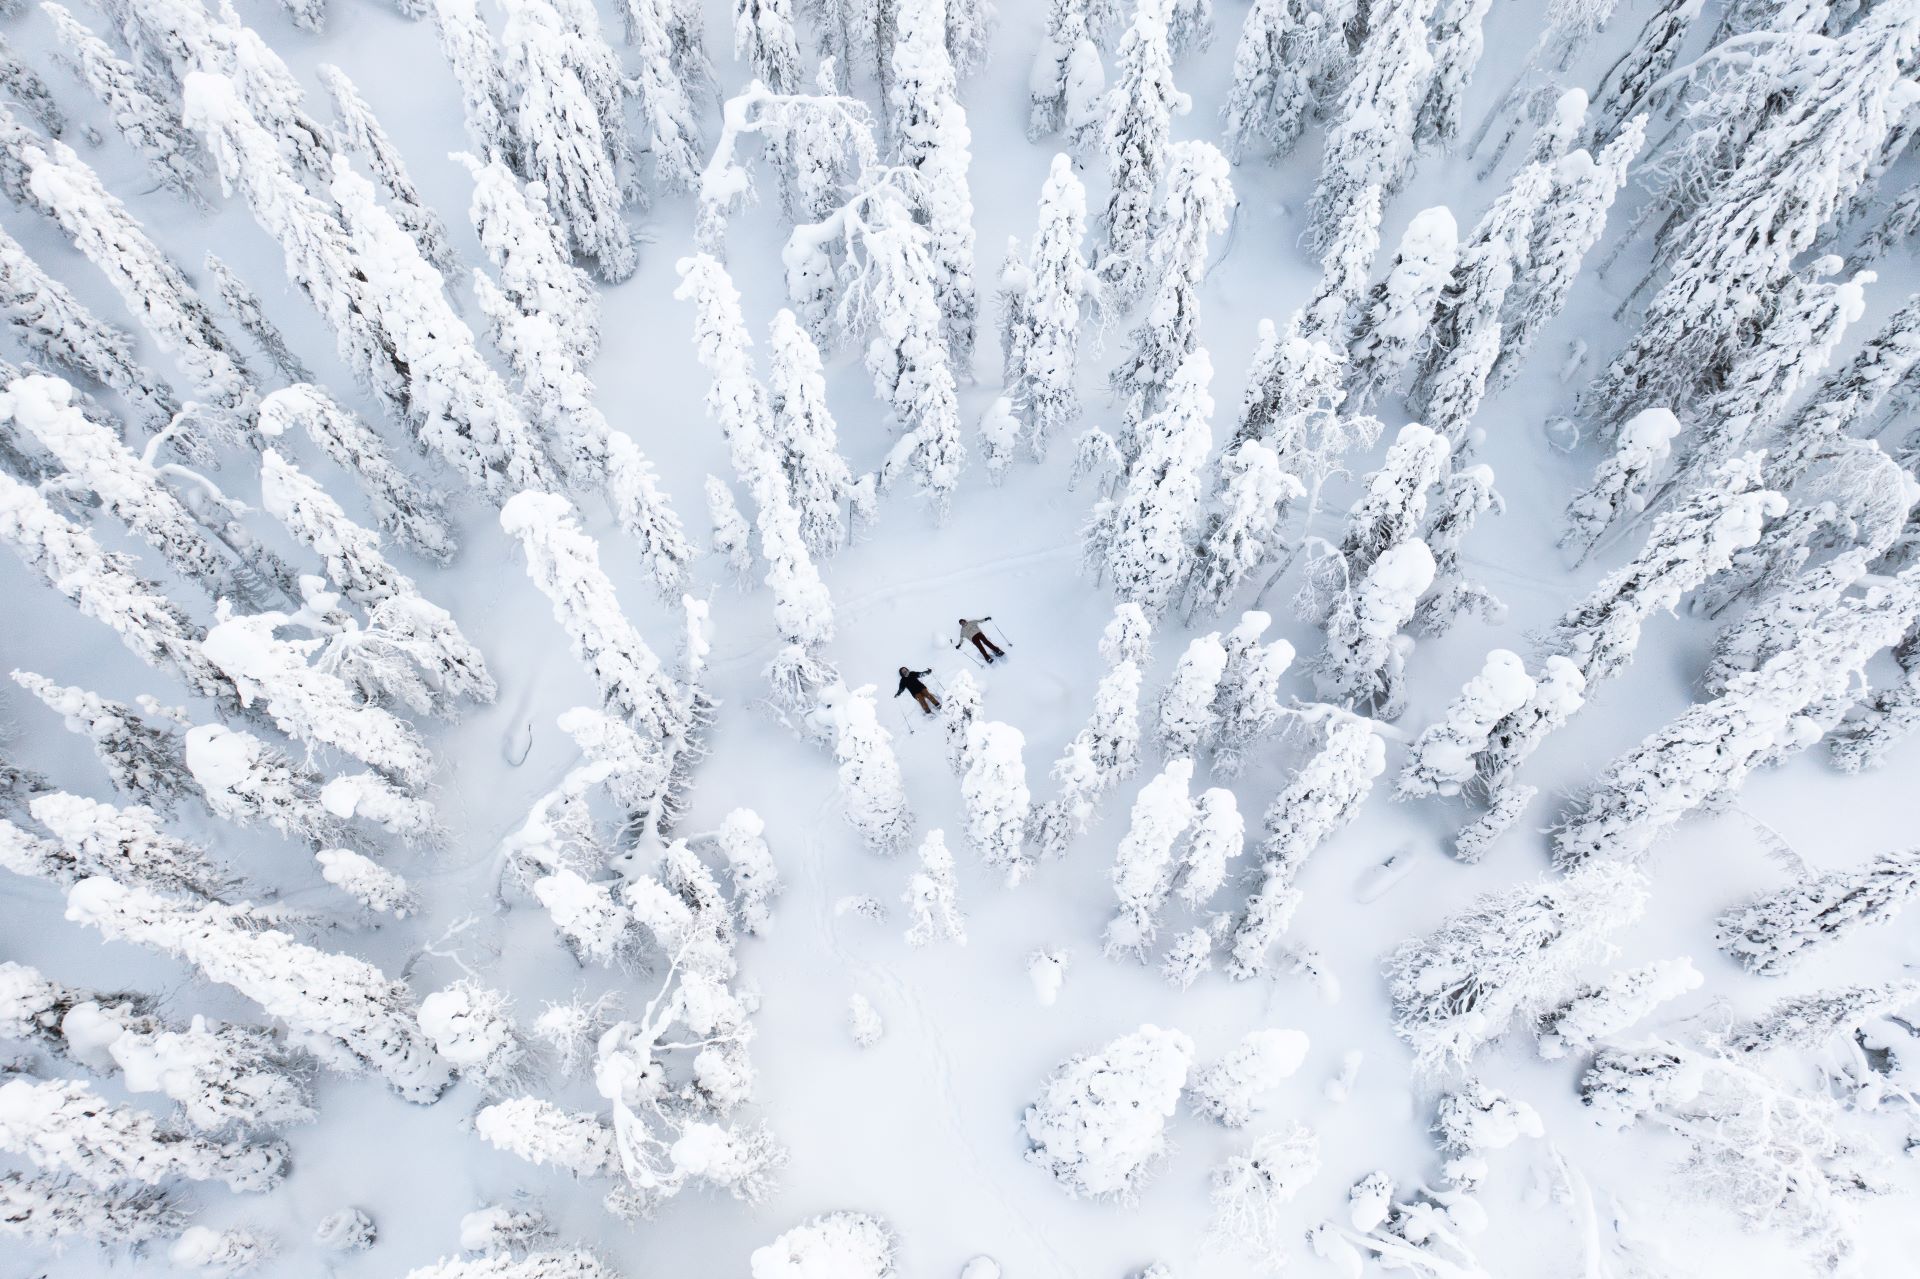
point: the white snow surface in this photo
(922, 1130)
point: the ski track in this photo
(939, 1059)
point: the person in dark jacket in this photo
(970, 630)
(910, 683)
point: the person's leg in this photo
(927, 701)
(997, 650)
(984, 644)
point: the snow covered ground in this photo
(924, 1128)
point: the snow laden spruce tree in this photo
(1140, 540)
(1323, 796)
(1140, 108)
(1058, 295)
(1099, 1123)
(343, 1009)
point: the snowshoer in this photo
(970, 630)
(910, 683)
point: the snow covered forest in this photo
(896, 639)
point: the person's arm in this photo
(928, 671)
(901, 689)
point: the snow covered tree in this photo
(871, 789)
(1884, 717)
(1229, 1091)
(1688, 544)
(59, 184)
(1145, 862)
(1442, 759)
(60, 1126)
(1322, 797)
(1704, 755)
(208, 546)
(474, 56)
(1771, 625)
(1625, 89)
(139, 115)
(764, 38)
(565, 1263)
(1465, 496)
(1779, 1159)
(1100, 1121)
(561, 136)
(1801, 164)
(53, 325)
(126, 484)
(805, 436)
(1565, 228)
(541, 1133)
(1047, 82)
(318, 255)
(1251, 1191)
(852, 1245)
(472, 1028)
(376, 888)
(1624, 480)
(1597, 1012)
(1465, 335)
(127, 843)
(1140, 107)
(1246, 700)
(1815, 1020)
(1774, 933)
(932, 896)
(24, 85)
(401, 504)
(102, 586)
(667, 86)
(588, 449)
(994, 790)
(1245, 533)
(932, 140)
(1185, 713)
(803, 610)
(886, 286)
(1272, 92)
(143, 760)
(1393, 505)
(730, 538)
(564, 563)
(1365, 656)
(1058, 297)
(343, 1009)
(1458, 44)
(243, 306)
(1559, 689)
(1345, 261)
(57, 1209)
(222, 1076)
(1395, 317)
(1370, 143)
(361, 133)
(1511, 953)
(245, 780)
(311, 704)
(1141, 538)
(530, 255)
(959, 711)
(1199, 197)
(1112, 734)
(1215, 836)
(460, 407)
(1808, 320)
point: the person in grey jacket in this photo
(970, 630)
